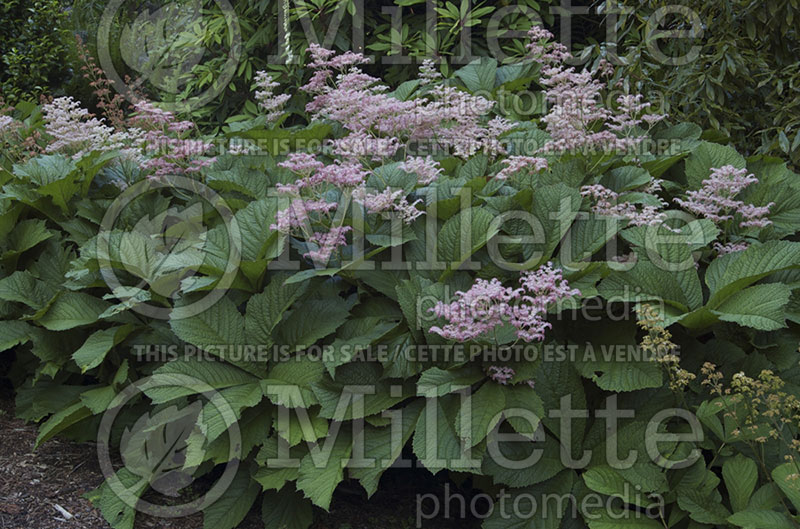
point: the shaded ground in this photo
(34, 484)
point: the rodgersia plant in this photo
(488, 305)
(476, 274)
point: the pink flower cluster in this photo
(501, 374)
(74, 130)
(450, 117)
(607, 204)
(427, 169)
(715, 199)
(388, 200)
(731, 247)
(515, 164)
(268, 101)
(576, 105)
(168, 152)
(488, 305)
(6, 123)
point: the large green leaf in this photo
(741, 476)
(234, 504)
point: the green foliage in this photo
(34, 41)
(311, 392)
(740, 72)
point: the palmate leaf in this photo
(175, 378)
(668, 275)
(72, 309)
(23, 287)
(731, 273)
(234, 504)
(25, 236)
(520, 462)
(313, 320)
(606, 480)
(464, 234)
(555, 207)
(286, 509)
(487, 405)
(218, 330)
(265, 310)
(479, 75)
(323, 469)
(529, 515)
(385, 445)
(435, 442)
(13, 333)
(94, 350)
(760, 307)
(115, 509)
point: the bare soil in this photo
(34, 484)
